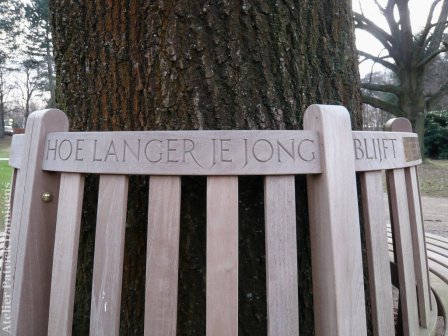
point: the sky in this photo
(419, 10)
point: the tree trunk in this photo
(177, 64)
(412, 102)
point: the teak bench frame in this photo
(47, 200)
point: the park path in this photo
(435, 215)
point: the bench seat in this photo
(437, 247)
(437, 252)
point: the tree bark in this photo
(177, 64)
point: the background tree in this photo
(33, 81)
(39, 43)
(10, 13)
(435, 79)
(177, 64)
(407, 55)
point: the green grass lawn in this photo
(433, 178)
(5, 178)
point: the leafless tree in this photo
(408, 55)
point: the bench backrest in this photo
(52, 163)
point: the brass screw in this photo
(47, 197)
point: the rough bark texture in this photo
(178, 64)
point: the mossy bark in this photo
(178, 64)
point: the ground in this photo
(433, 178)
(435, 215)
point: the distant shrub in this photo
(436, 134)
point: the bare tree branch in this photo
(390, 88)
(381, 8)
(422, 39)
(404, 30)
(435, 98)
(381, 104)
(379, 60)
(380, 34)
(429, 58)
(435, 39)
(388, 13)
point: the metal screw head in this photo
(47, 197)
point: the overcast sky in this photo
(419, 11)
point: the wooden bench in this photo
(51, 163)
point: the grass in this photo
(433, 177)
(5, 178)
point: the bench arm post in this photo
(31, 226)
(338, 283)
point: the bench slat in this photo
(440, 289)
(162, 256)
(435, 242)
(403, 248)
(108, 260)
(222, 256)
(281, 256)
(419, 246)
(436, 237)
(377, 253)
(66, 244)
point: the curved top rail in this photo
(385, 150)
(213, 152)
(184, 152)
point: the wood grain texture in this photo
(281, 256)
(162, 256)
(338, 283)
(184, 152)
(416, 221)
(385, 150)
(403, 249)
(222, 256)
(16, 150)
(439, 279)
(5, 291)
(66, 245)
(440, 290)
(217, 152)
(398, 125)
(109, 251)
(377, 253)
(33, 221)
(418, 246)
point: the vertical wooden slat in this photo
(68, 224)
(109, 251)
(222, 256)
(403, 249)
(33, 221)
(338, 284)
(417, 231)
(281, 256)
(419, 246)
(377, 253)
(162, 256)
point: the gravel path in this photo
(435, 215)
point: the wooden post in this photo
(420, 259)
(31, 261)
(338, 283)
